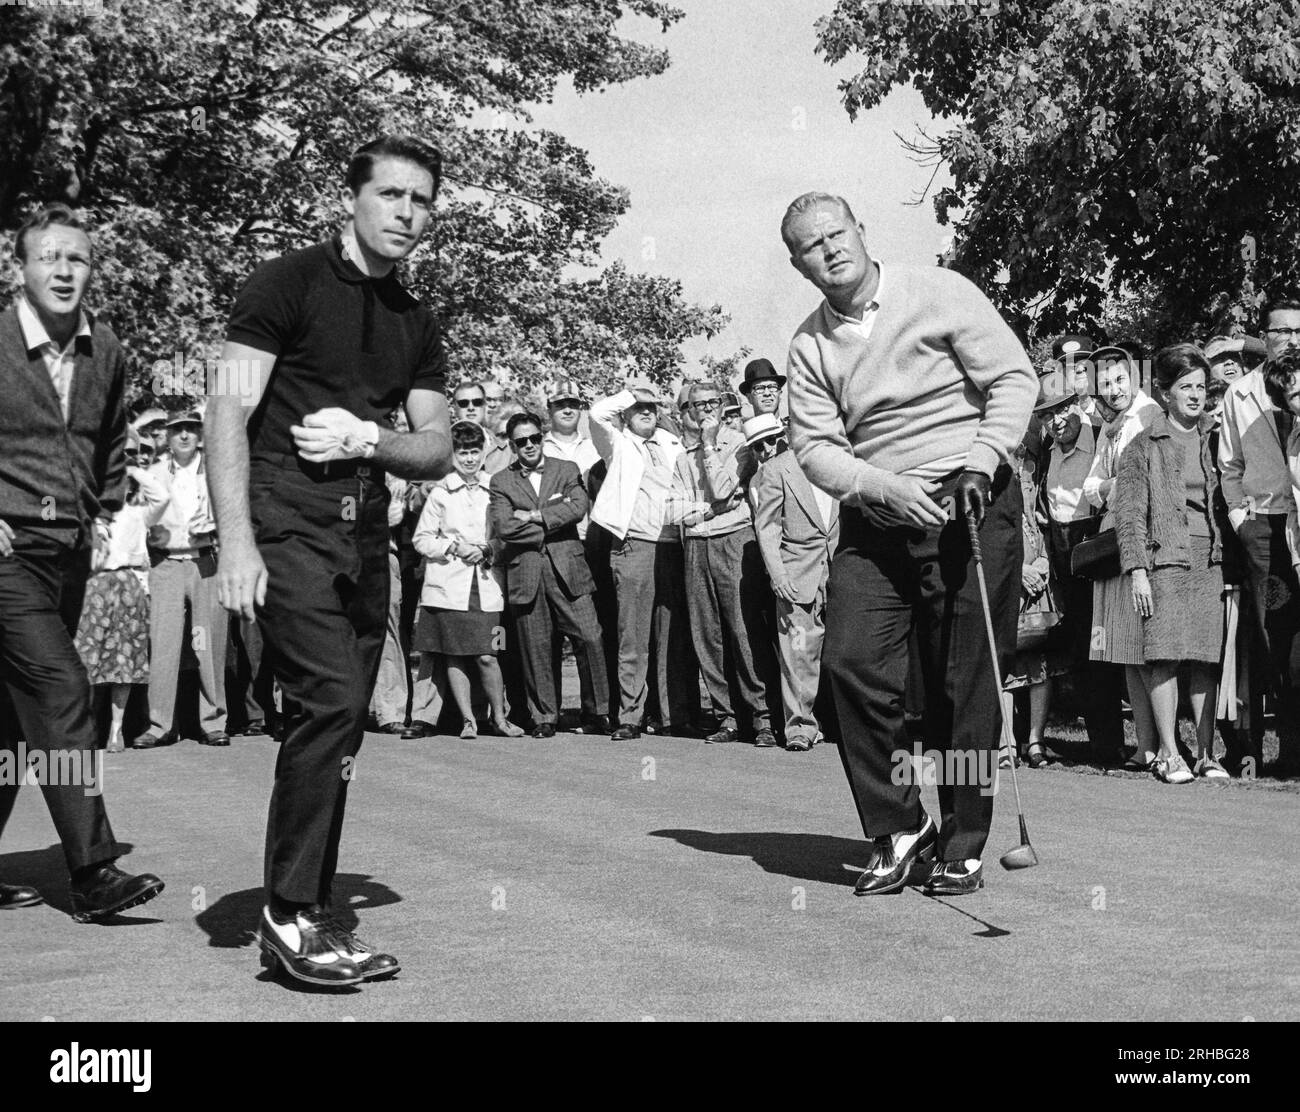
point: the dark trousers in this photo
(597, 546)
(536, 623)
(885, 583)
(654, 640)
(325, 543)
(1102, 685)
(1275, 605)
(728, 593)
(49, 696)
(250, 678)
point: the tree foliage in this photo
(201, 138)
(1096, 147)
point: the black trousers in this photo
(325, 543)
(1275, 604)
(553, 609)
(49, 696)
(885, 584)
(1101, 685)
(250, 678)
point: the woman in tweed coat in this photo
(1170, 522)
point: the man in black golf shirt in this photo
(302, 508)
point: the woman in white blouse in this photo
(1116, 626)
(462, 600)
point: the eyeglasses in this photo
(1283, 333)
(534, 439)
(708, 403)
(764, 387)
(465, 403)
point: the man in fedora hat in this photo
(636, 506)
(1071, 519)
(762, 386)
(183, 581)
(798, 527)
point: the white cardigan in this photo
(456, 511)
(621, 451)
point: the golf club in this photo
(1023, 855)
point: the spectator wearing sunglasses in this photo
(1257, 488)
(535, 506)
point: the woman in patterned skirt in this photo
(1171, 523)
(1116, 629)
(113, 635)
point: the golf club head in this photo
(1022, 857)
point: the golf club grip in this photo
(973, 531)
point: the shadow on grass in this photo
(816, 857)
(231, 922)
(46, 870)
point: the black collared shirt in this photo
(339, 337)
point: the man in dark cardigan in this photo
(62, 477)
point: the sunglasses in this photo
(465, 403)
(534, 439)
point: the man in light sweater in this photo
(907, 395)
(1257, 490)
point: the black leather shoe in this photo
(216, 737)
(255, 728)
(18, 895)
(418, 729)
(370, 961)
(150, 740)
(954, 878)
(544, 729)
(722, 737)
(895, 856)
(108, 890)
(595, 724)
(626, 733)
(765, 739)
(392, 728)
(322, 956)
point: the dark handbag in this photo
(1033, 628)
(1097, 557)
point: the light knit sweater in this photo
(940, 384)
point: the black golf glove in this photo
(973, 494)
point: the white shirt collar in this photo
(872, 305)
(34, 334)
(456, 480)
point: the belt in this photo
(321, 472)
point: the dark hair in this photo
(1175, 361)
(405, 147)
(39, 221)
(467, 434)
(1277, 377)
(524, 418)
(1286, 298)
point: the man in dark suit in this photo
(536, 504)
(62, 477)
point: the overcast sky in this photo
(746, 118)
